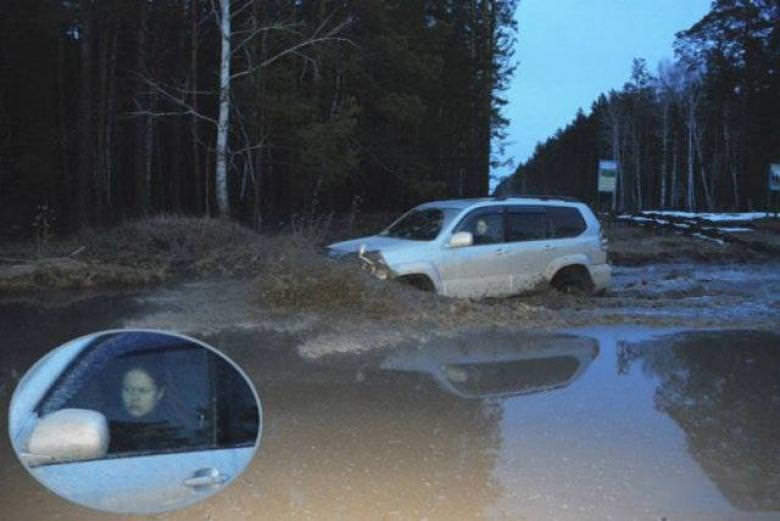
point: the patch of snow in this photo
(702, 236)
(729, 229)
(715, 217)
(639, 219)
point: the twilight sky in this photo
(570, 51)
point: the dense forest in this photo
(253, 109)
(698, 134)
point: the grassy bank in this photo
(135, 254)
(634, 246)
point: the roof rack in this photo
(540, 197)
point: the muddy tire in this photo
(420, 282)
(573, 280)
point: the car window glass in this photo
(418, 225)
(487, 227)
(527, 226)
(180, 419)
(566, 222)
(516, 376)
(237, 408)
(155, 400)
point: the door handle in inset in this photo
(206, 478)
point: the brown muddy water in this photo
(611, 422)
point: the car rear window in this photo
(566, 221)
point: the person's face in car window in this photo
(482, 227)
(140, 392)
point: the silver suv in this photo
(489, 247)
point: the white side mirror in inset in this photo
(67, 435)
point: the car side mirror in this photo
(67, 435)
(461, 239)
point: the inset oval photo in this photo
(135, 421)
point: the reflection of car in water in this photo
(134, 421)
(490, 366)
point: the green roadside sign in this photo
(607, 176)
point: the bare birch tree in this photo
(223, 120)
(225, 13)
(692, 96)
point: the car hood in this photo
(373, 243)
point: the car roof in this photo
(461, 204)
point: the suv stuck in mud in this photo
(474, 248)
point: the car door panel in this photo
(481, 269)
(529, 248)
(476, 271)
(142, 484)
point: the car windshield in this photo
(422, 224)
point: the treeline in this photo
(117, 109)
(699, 134)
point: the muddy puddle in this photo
(604, 422)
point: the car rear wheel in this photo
(573, 280)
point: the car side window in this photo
(155, 400)
(566, 222)
(164, 403)
(527, 224)
(486, 226)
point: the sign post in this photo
(774, 188)
(608, 170)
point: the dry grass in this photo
(290, 270)
(632, 246)
(183, 245)
(296, 275)
(138, 253)
(69, 274)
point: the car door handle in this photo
(500, 251)
(548, 246)
(207, 477)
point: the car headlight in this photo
(332, 253)
(375, 263)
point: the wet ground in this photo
(617, 421)
(697, 294)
